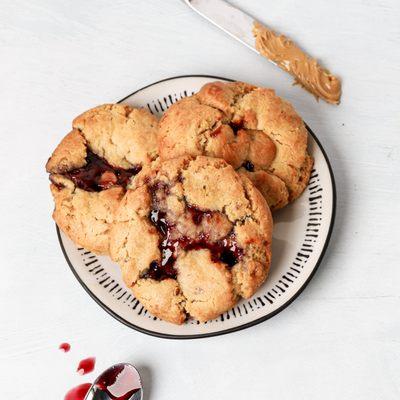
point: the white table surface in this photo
(341, 338)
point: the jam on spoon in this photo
(119, 382)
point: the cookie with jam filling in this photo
(91, 167)
(192, 237)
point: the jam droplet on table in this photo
(120, 382)
(65, 347)
(86, 366)
(78, 392)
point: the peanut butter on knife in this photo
(305, 69)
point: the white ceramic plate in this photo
(301, 234)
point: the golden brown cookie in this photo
(92, 165)
(191, 236)
(251, 128)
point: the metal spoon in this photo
(119, 382)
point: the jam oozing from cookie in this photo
(58, 185)
(198, 215)
(248, 165)
(236, 126)
(228, 250)
(98, 174)
(164, 269)
(225, 250)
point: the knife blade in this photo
(276, 48)
(230, 19)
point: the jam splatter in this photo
(78, 392)
(98, 174)
(86, 366)
(65, 347)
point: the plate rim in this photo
(239, 327)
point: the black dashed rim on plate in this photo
(242, 326)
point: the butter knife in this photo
(230, 19)
(284, 52)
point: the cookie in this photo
(251, 128)
(90, 168)
(191, 236)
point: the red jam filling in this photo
(225, 250)
(198, 215)
(98, 174)
(236, 126)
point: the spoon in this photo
(119, 382)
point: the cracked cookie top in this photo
(251, 128)
(92, 165)
(191, 236)
(105, 138)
